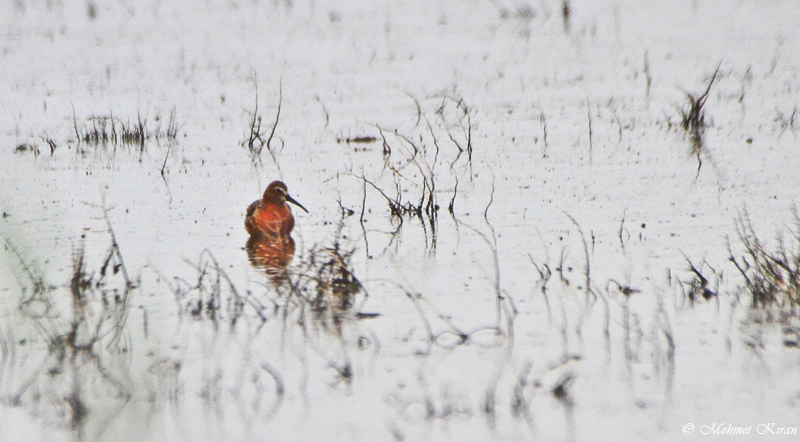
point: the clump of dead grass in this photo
(771, 274)
(693, 118)
(111, 130)
(413, 162)
(328, 283)
(325, 283)
(703, 284)
(256, 140)
(211, 294)
(33, 147)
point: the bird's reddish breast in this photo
(269, 219)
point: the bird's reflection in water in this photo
(273, 255)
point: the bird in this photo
(270, 217)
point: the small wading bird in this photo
(270, 222)
(270, 217)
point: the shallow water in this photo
(504, 318)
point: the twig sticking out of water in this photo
(693, 118)
(587, 287)
(566, 11)
(626, 292)
(164, 164)
(277, 116)
(589, 118)
(543, 122)
(647, 77)
(255, 142)
(561, 392)
(666, 329)
(324, 110)
(700, 285)
(544, 277)
(520, 405)
(280, 389)
(591, 294)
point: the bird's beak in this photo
(294, 201)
